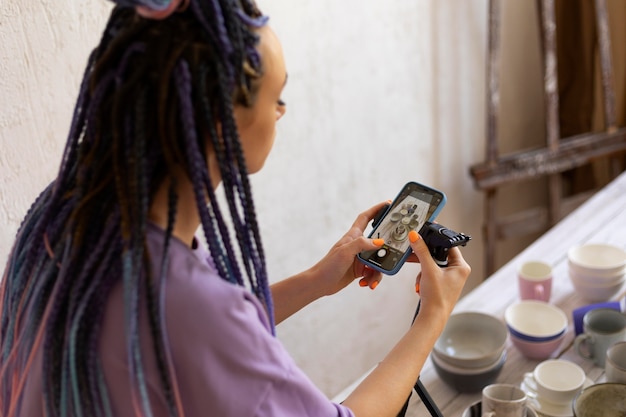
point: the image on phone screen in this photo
(415, 205)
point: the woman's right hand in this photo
(395, 376)
(439, 288)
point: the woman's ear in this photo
(175, 5)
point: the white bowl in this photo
(588, 281)
(471, 340)
(596, 273)
(595, 292)
(597, 258)
(535, 321)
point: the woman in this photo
(112, 306)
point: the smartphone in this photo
(415, 205)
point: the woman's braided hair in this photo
(152, 94)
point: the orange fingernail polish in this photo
(374, 285)
(362, 282)
(417, 288)
(414, 236)
(378, 242)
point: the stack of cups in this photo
(597, 271)
(471, 351)
(537, 328)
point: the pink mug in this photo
(535, 281)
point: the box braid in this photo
(149, 101)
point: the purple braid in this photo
(225, 262)
(218, 33)
(247, 229)
(152, 4)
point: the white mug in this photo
(503, 400)
(557, 381)
(601, 328)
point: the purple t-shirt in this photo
(227, 362)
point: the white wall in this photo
(359, 125)
(379, 93)
(43, 51)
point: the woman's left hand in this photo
(340, 266)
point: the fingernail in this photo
(374, 285)
(363, 282)
(414, 236)
(378, 242)
(417, 288)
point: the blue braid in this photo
(234, 180)
(99, 259)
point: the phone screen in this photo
(415, 205)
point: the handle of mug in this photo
(539, 290)
(529, 381)
(581, 345)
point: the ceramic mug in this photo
(534, 279)
(615, 366)
(503, 400)
(601, 328)
(579, 313)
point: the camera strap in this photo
(420, 389)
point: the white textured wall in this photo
(359, 125)
(379, 93)
(44, 46)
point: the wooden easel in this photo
(559, 154)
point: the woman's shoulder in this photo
(193, 287)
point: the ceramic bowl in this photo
(471, 340)
(601, 400)
(537, 350)
(468, 379)
(395, 217)
(597, 258)
(535, 321)
(594, 280)
(596, 292)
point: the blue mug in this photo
(579, 313)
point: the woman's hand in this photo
(340, 266)
(439, 288)
(396, 374)
(331, 274)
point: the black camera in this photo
(440, 240)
